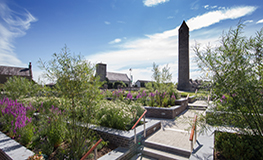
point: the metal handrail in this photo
(187, 97)
(144, 134)
(94, 147)
(139, 119)
(193, 133)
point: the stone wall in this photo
(117, 140)
(167, 113)
(126, 138)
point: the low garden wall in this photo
(167, 113)
(191, 99)
(122, 138)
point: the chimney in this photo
(30, 70)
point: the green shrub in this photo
(26, 134)
(118, 115)
(237, 146)
(17, 87)
(112, 115)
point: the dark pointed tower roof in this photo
(184, 25)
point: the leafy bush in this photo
(26, 134)
(237, 146)
(235, 70)
(16, 87)
(118, 115)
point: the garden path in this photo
(176, 132)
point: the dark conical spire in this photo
(184, 25)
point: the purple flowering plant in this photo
(129, 97)
(142, 97)
(118, 94)
(14, 115)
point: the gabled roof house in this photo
(111, 77)
(7, 71)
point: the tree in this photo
(235, 69)
(162, 78)
(78, 87)
(162, 85)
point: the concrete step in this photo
(161, 155)
(167, 148)
(203, 108)
(141, 157)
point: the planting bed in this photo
(126, 138)
(167, 113)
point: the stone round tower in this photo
(183, 65)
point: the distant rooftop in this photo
(117, 77)
(14, 71)
(144, 81)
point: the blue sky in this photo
(121, 33)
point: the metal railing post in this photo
(135, 140)
(192, 146)
(95, 153)
(195, 133)
(144, 134)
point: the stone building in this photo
(111, 77)
(141, 83)
(7, 71)
(183, 64)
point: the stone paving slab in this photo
(115, 154)
(199, 103)
(181, 122)
(176, 132)
(141, 157)
(13, 149)
(171, 138)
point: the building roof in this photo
(143, 81)
(117, 77)
(14, 71)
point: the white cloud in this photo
(212, 7)
(117, 40)
(260, 21)
(12, 25)
(170, 17)
(221, 7)
(122, 22)
(208, 19)
(162, 48)
(248, 21)
(151, 3)
(106, 22)
(195, 5)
